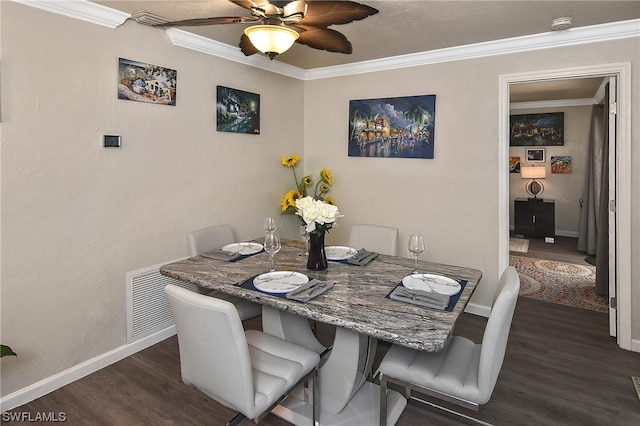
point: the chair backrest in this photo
(496, 333)
(214, 355)
(209, 238)
(381, 239)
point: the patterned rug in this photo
(519, 245)
(636, 384)
(556, 282)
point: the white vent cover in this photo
(147, 306)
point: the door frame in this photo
(621, 259)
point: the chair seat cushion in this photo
(452, 371)
(277, 366)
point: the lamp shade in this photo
(271, 39)
(533, 172)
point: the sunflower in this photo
(324, 188)
(330, 200)
(307, 180)
(290, 161)
(289, 199)
(325, 175)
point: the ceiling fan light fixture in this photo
(271, 40)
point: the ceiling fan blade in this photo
(325, 13)
(247, 47)
(324, 39)
(210, 21)
(295, 7)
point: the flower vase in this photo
(317, 260)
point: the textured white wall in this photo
(76, 217)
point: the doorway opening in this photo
(619, 260)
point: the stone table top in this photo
(357, 301)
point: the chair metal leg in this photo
(236, 419)
(383, 400)
(314, 397)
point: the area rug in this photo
(557, 282)
(519, 245)
(636, 384)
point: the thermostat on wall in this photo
(111, 141)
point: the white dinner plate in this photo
(244, 249)
(432, 282)
(339, 252)
(279, 281)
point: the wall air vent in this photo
(147, 306)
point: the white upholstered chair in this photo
(251, 371)
(381, 239)
(215, 237)
(464, 372)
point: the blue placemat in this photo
(248, 284)
(452, 299)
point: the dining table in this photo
(358, 304)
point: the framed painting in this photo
(537, 129)
(535, 155)
(514, 164)
(142, 82)
(237, 111)
(401, 127)
(561, 164)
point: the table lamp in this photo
(534, 187)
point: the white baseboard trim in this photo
(474, 308)
(635, 345)
(45, 386)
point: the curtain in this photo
(593, 235)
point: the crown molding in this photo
(211, 47)
(81, 9)
(574, 36)
(553, 103)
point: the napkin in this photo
(310, 290)
(419, 297)
(362, 257)
(219, 254)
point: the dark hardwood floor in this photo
(565, 249)
(561, 368)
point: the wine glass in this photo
(305, 237)
(269, 225)
(272, 246)
(416, 247)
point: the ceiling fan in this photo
(302, 21)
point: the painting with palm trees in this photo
(401, 127)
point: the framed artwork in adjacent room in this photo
(237, 111)
(561, 164)
(141, 82)
(534, 155)
(514, 164)
(537, 129)
(401, 127)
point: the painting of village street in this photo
(141, 82)
(237, 111)
(401, 127)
